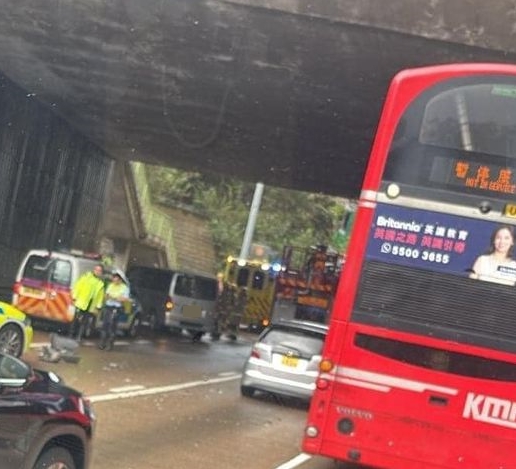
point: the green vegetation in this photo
(156, 222)
(285, 216)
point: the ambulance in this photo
(250, 279)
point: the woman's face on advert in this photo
(503, 240)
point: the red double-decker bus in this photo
(419, 367)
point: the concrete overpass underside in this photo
(286, 92)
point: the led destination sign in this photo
(479, 176)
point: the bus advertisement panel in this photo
(419, 366)
(434, 241)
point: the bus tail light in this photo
(326, 365)
(312, 431)
(322, 384)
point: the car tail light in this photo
(16, 288)
(84, 406)
(255, 353)
(81, 405)
(88, 408)
(169, 304)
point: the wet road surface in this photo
(162, 401)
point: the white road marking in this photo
(127, 392)
(301, 458)
(135, 387)
(161, 389)
(138, 390)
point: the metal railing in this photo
(158, 225)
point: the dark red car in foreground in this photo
(43, 423)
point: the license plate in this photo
(192, 312)
(289, 361)
(33, 293)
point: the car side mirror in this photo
(13, 372)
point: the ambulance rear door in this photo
(42, 289)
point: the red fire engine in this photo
(306, 283)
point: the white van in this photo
(44, 283)
(175, 299)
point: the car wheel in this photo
(55, 458)
(11, 340)
(247, 391)
(134, 327)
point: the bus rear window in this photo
(458, 137)
(479, 118)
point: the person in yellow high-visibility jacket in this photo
(117, 293)
(88, 297)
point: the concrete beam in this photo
(285, 92)
(471, 22)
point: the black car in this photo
(43, 423)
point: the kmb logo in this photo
(490, 410)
